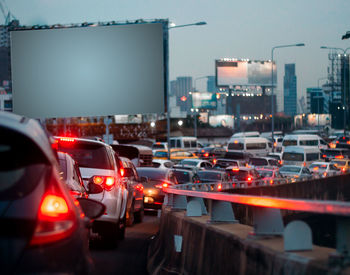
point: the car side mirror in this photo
(144, 179)
(95, 188)
(91, 208)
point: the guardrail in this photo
(266, 214)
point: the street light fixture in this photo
(344, 94)
(168, 86)
(272, 102)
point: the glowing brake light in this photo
(206, 155)
(109, 181)
(339, 157)
(324, 156)
(139, 187)
(122, 172)
(304, 164)
(235, 169)
(56, 219)
(325, 174)
(219, 187)
(343, 169)
(165, 185)
(54, 145)
(67, 139)
(348, 142)
(214, 161)
(98, 180)
(275, 144)
(249, 179)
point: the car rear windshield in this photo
(318, 166)
(182, 176)
(23, 165)
(293, 156)
(225, 163)
(209, 175)
(290, 169)
(188, 162)
(158, 146)
(90, 155)
(158, 174)
(259, 162)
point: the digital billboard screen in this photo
(89, 71)
(244, 73)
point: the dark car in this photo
(336, 153)
(342, 142)
(43, 227)
(243, 176)
(130, 177)
(154, 180)
(186, 176)
(211, 153)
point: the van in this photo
(141, 156)
(257, 146)
(299, 155)
(187, 143)
(304, 140)
(246, 134)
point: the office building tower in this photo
(290, 90)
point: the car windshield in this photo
(316, 166)
(259, 162)
(91, 155)
(152, 174)
(290, 169)
(265, 173)
(182, 176)
(188, 162)
(206, 175)
(293, 156)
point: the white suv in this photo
(97, 165)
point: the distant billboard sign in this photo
(231, 73)
(204, 100)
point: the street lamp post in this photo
(272, 101)
(168, 86)
(344, 93)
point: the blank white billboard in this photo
(88, 71)
(245, 73)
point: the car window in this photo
(90, 155)
(168, 164)
(155, 164)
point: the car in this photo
(269, 176)
(176, 155)
(43, 228)
(153, 181)
(243, 176)
(211, 153)
(198, 163)
(159, 145)
(336, 153)
(70, 174)
(223, 163)
(213, 176)
(130, 177)
(324, 169)
(162, 163)
(342, 164)
(277, 156)
(98, 167)
(264, 161)
(295, 172)
(185, 176)
(342, 142)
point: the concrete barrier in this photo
(225, 249)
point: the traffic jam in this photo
(63, 193)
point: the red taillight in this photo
(348, 142)
(206, 155)
(325, 174)
(214, 161)
(304, 164)
(56, 218)
(235, 169)
(98, 180)
(67, 139)
(271, 182)
(343, 169)
(219, 187)
(122, 172)
(106, 182)
(337, 142)
(280, 162)
(339, 157)
(324, 156)
(249, 179)
(165, 185)
(54, 145)
(275, 144)
(139, 187)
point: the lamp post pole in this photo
(168, 86)
(344, 90)
(272, 83)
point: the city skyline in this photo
(233, 30)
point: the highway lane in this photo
(130, 256)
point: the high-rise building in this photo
(211, 84)
(317, 101)
(181, 88)
(290, 90)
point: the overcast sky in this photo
(235, 29)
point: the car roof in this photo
(84, 140)
(30, 128)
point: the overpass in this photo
(200, 231)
